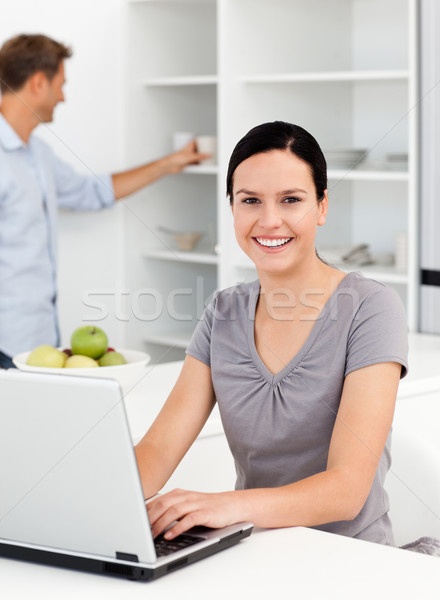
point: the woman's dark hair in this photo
(279, 135)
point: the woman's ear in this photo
(323, 207)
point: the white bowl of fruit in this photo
(89, 356)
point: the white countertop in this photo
(424, 365)
(292, 562)
(283, 563)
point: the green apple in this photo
(110, 359)
(89, 341)
(77, 361)
(46, 356)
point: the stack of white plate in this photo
(354, 255)
(397, 161)
(339, 158)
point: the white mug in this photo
(181, 139)
(207, 144)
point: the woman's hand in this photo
(192, 508)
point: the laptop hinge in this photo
(126, 556)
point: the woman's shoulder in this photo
(371, 296)
(232, 303)
(377, 327)
(242, 293)
(365, 286)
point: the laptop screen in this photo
(67, 466)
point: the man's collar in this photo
(9, 138)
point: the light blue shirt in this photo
(33, 184)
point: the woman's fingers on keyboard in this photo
(180, 510)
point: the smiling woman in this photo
(275, 217)
(304, 364)
(288, 179)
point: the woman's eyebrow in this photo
(293, 191)
(282, 193)
(248, 192)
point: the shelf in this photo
(171, 1)
(330, 76)
(380, 273)
(178, 338)
(202, 170)
(246, 266)
(204, 258)
(359, 174)
(187, 80)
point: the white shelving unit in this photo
(330, 76)
(366, 175)
(346, 70)
(203, 258)
(181, 81)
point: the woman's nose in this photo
(270, 217)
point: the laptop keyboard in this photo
(164, 547)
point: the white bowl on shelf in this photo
(185, 240)
(126, 375)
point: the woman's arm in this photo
(176, 427)
(339, 493)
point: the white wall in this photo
(87, 132)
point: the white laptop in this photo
(71, 494)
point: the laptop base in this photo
(115, 568)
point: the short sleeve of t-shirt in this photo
(200, 344)
(378, 332)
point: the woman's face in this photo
(276, 211)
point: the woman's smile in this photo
(272, 244)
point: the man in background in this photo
(34, 183)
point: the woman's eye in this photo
(250, 200)
(292, 200)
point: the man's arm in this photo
(131, 181)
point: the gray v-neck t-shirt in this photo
(279, 426)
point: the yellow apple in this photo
(110, 359)
(77, 361)
(46, 356)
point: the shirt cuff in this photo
(107, 192)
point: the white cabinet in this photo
(412, 483)
(346, 70)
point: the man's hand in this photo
(131, 181)
(182, 158)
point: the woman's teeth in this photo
(273, 243)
